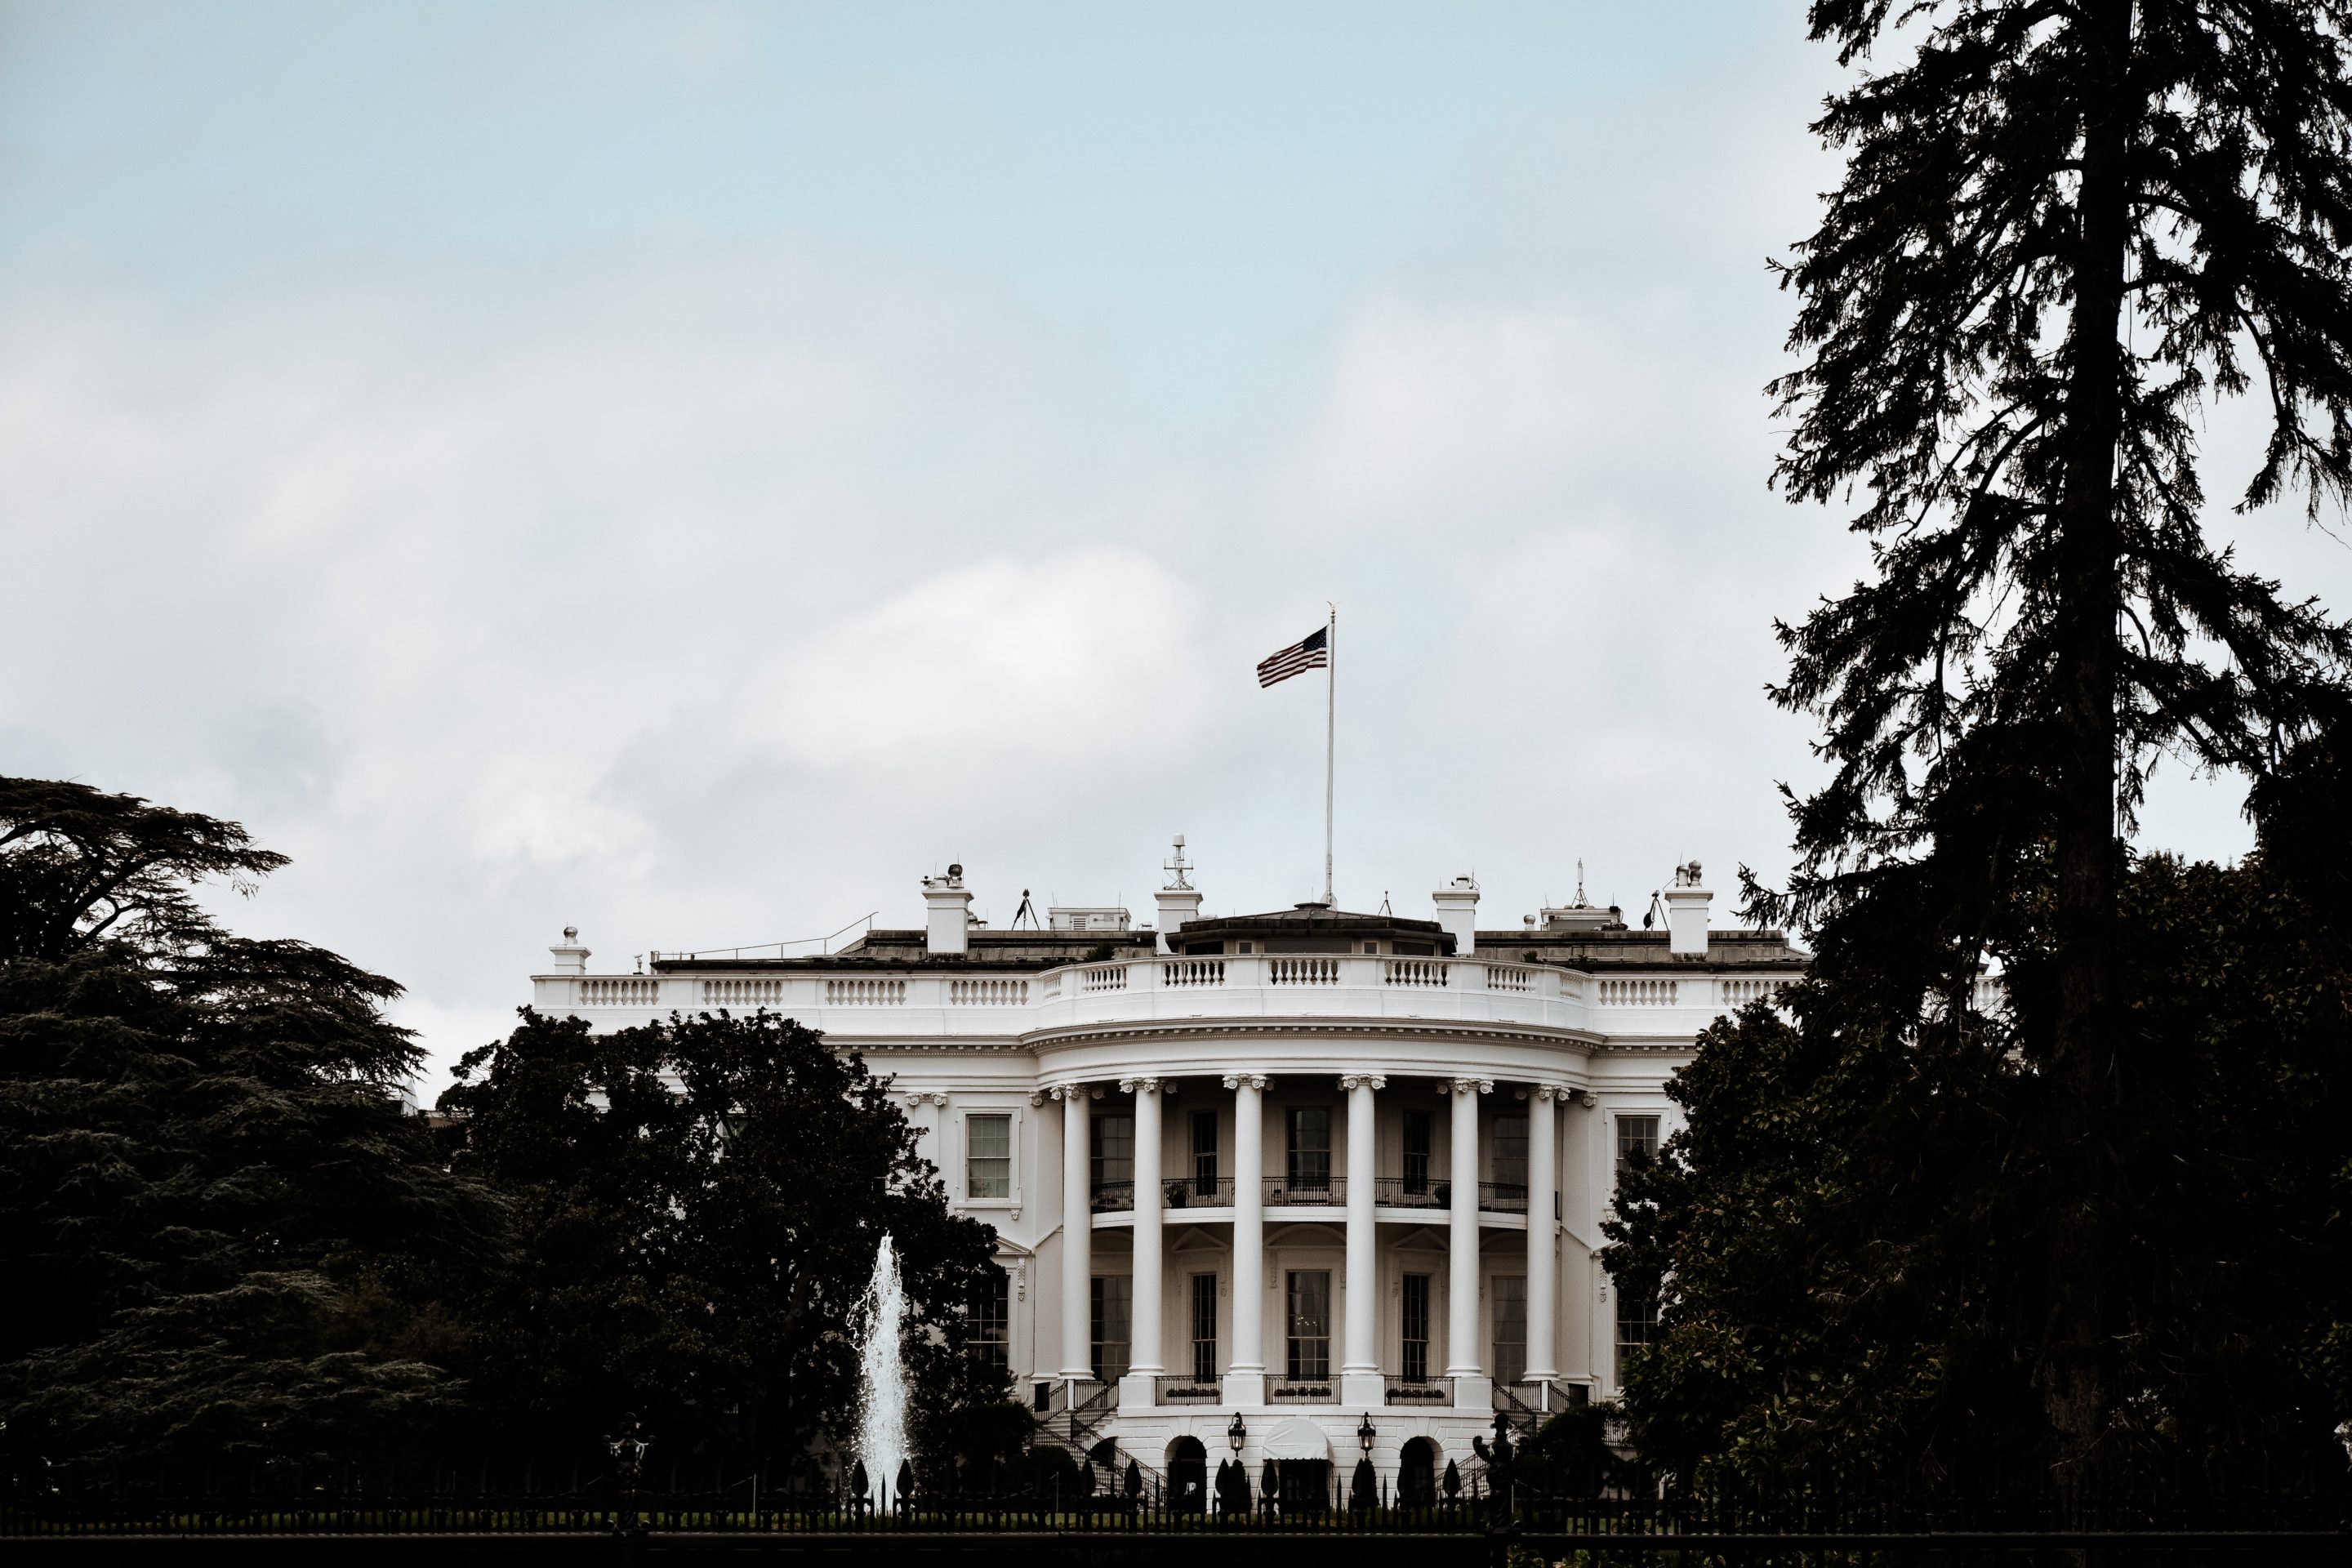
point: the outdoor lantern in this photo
(1365, 1434)
(1237, 1433)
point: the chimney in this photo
(949, 912)
(571, 958)
(1457, 912)
(1178, 901)
(1686, 904)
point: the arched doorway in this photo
(1188, 1476)
(1417, 1473)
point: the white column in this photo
(1543, 1233)
(1077, 1235)
(1145, 1352)
(1472, 1387)
(1245, 1368)
(1359, 1352)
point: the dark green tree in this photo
(698, 1204)
(2065, 227)
(1850, 1232)
(214, 1209)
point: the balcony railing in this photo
(1198, 1193)
(1503, 1197)
(1312, 1192)
(1113, 1198)
(1420, 1391)
(1411, 1193)
(1303, 1391)
(1186, 1391)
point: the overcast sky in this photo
(691, 469)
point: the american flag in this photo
(1309, 652)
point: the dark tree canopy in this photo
(698, 1204)
(210, 1198)
(2065, 226)
(1849, 1235)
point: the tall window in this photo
(1419, 1126)
(1637, 1325)
(1311, 1148)
(1510, 1295)
(1204, 1153)
(1110, 1140)
(1204, 1328)
(1113, 1295)
(1416, 1327)
(988, 1156)
(1511, 1156)
(1309, 1329)
(1637, 1142)
(990, 1321)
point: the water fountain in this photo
(882, 1404)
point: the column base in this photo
(1138, 1391)
(1474, 1391)
(1368, 1389)
(1242, 1388)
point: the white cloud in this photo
(1089, 655)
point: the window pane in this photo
(1112, 1137)
(1511, 1154)
(1113, 1293)
(1637, 1138)
(991, 1321)
(1510, 1296)
(988, 1156)
(1418, 1125)
(1310, 1147)
(1204, 1153)
(1309, 1338)
(1204, 1328)
(1416, 1327)
(1637, 1325)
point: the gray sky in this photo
(689, 470)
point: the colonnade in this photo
(1361, 1373)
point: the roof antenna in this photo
(1028, 910)
(1176, 867)
(1384, 904)
(1579, 882)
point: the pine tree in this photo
(2064, 226)
(210, 1190)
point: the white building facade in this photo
(1285, 1179)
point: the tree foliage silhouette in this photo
(2065, 227)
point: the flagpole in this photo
(1330, 730)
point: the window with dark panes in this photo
(1637, 1325)
(1204, 1328)
(1637, 1139)
(1415, 1367)
(988, 1324)
(1113, 1297)
(988, 1156)
(1311, 1148)
(1110, 1143)
(1419, 1133)
(1510, 1156)
(1204, 1153)
(1307, 1337)
(1510, 1298)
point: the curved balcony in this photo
(1396, 1200)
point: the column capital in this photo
(1245, 1080)
(1356, 1080)
(927, 1096)
(1072, 1092)
(1544, 1091)
(1472, 1085)
(1145, 1086)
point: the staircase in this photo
(1076, 1430)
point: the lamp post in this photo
(1365, 1434)
(1236, 1435)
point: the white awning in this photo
(1296, 1438)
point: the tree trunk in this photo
(2075, 1375)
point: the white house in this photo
(1282, 1178)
